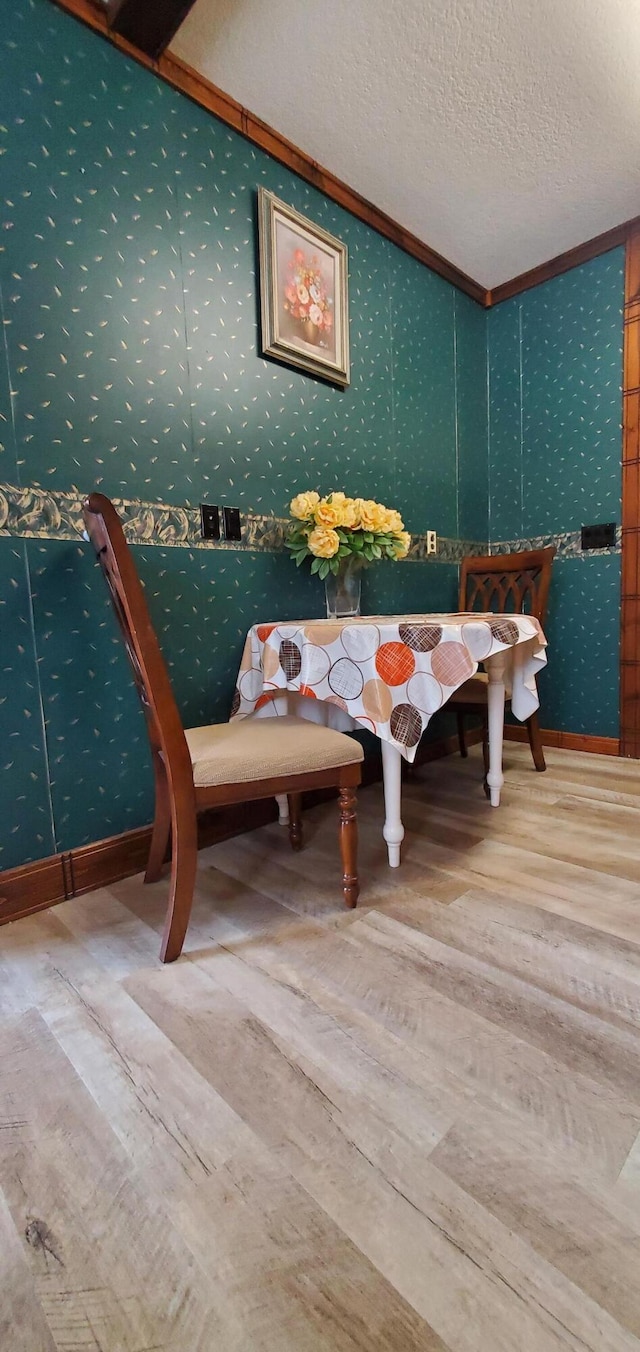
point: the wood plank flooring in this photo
(412, 1126)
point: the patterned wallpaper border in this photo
(44, 514)
(568, 545)
(37, 513)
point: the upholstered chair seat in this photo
(257, 748)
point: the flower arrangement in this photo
(305, 295)
(333, 529)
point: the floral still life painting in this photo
(303, 284)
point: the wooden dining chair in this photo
(223, 763)
(514, 583)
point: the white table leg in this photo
(283, 809)
(495, 695)
(393, 830)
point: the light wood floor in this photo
(415, 1126)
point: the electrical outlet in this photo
(599, 537)
(231, 527)
(209, 521)
(432, 542)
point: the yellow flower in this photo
(328, 513)
(372, 515)
(393, 522)
(403, 541)
(349, 517)
(342, 509)
(302, 506)
(323, 542)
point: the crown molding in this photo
(571, 258)
(189, 82)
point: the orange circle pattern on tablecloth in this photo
(266, 698)
(395, 663)
(263, 631)
(389, 674)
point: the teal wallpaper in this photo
(555, 446)
(26, 824)
(579, 691)
(130, 361)
(472, 415)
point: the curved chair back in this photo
(514, 583)
(164, 724)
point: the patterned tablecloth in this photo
(390, 673)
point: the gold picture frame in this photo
(303, 292)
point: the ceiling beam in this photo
(148, 27)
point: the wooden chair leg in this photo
(184, 857)
(535, 742)
(462, 741)
(295, 820)
(161, 824)
(349, 845)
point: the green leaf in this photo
(315, 566)
(323, 569)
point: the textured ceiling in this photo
(501, 132)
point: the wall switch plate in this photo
(599, 537)
(209, 521)
(231, 528)
(432, 542)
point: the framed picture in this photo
(303, 290)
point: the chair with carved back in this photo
(200, 768)
(502, 583)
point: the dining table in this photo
(388, 675)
